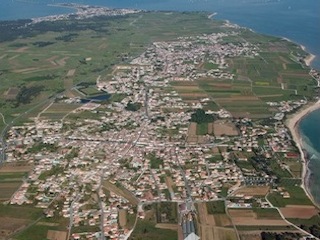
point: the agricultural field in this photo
(296, 197)
(146, 229)
(256, 217)
(11, 178)
(274, 75)
(253, 191)
(298, 211)
(160, 222)
(58, 111)
(221, 128)
(214, 226)
(15, 218)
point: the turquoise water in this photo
(310, 131)
(297, 20)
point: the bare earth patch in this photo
(10, 169)
(242, 217)
(11, 225)
(56, 235)
(25, 70)
(7, 189)
(253, 191)
(210, 226)
(71, 72)
(122, 217)
(299, 211)
(20, 50)
(167, 226)
(224, 128)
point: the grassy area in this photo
(297, 197)
(35, 232)
(170, 209)
(267, 213)
(315, 220)
(82, 229)
(265, 228)
(216, 207)
(244, 165)
(289, 182)
(131, 218)
(23, 212)
(202, 128)
(90, 91)
(12, 176)
(155, 162)
(146, 230)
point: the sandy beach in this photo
(293, 123)
(308, 60)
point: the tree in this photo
(200, 116)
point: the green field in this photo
(202, 128)
(297, 197)
(146, 230)
(20, 212)
(267, 213)
(216, 207)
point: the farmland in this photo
(213, 222)
(58, 66)
(11, 178)
(297, 197)
(155, 226)
(257, 217)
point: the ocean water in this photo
(309, 128)
(297, 20)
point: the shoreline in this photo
(292, 123)
(309, 58)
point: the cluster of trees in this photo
(42, 147)
(168, 210)
(313, 229)
(26, 94)
(67, 37)
(200, 116)
(280, 236)
(12, 30)
(42, 44)
(133, 106)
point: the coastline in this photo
(309, 58)
(293, 124)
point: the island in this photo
(152, 125)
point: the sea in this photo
(309, 128)
(297, 20)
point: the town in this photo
(152, 145)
